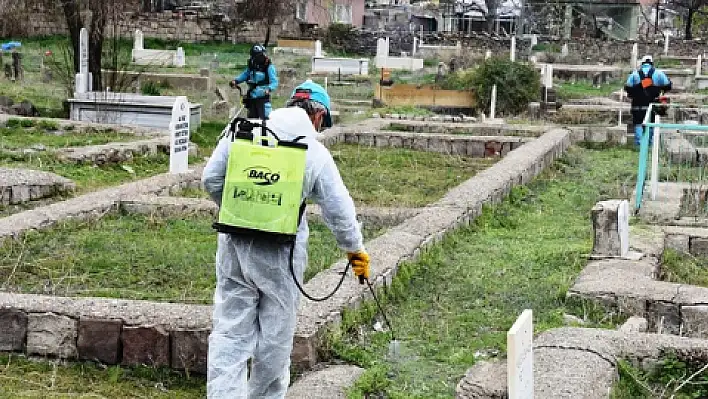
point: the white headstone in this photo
(534, 41)
(493, 105)
(623, 227)
(564, 50)
(82, 78)
(635, 55)
(519, 345)
(179, 57)
(666, 42)
(138, 43)
(699, 65)
(533, 59)
(513, 48)
(318, 48)
(549, 76)
(487, 55)
(179, 136)
(414, 50)
(381, 52)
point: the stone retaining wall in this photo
(463, 145)
(19, 186)
(117, 152)
(86, 127)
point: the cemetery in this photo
(520, 247)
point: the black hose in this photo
(308, 296)
(339, 285)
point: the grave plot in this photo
(132, 256)
(93, 156)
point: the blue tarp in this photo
(10, 45)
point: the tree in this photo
(692, 8)
(268, 12)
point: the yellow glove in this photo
(360, 264)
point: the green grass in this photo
(463, 294)
(132, 257)
(684, 268)
(23, 378)
(662, 381)
(17, 138)
(88, 177)
(400, 177)
(584, 89)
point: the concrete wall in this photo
(424, 96)
(320, 11)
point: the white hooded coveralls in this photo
(256, 299)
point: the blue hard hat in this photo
(315, 92)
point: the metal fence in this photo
(679, 155)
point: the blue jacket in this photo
(641, 98)
(257, 79)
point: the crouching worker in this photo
(644, 86)
(262, 242)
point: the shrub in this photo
(149, 88)
(517, 84)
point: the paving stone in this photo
(190, 349)
(485, 380)
(50, 334)
(145, 345)
(328, 383)
(14, 330)
(569, 373)
(635, 325)
(99, 340)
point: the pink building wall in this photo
(319, 11)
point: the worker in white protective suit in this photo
(256, 299)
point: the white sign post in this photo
(635, 56)
(179, 136)
(318, 49)
(513, 49)
(519, 344)
(493, 105)
(666, 42)
(656, 140)
(534, 41)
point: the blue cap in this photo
(316, 93)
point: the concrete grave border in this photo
(167, 334)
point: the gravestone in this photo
(519, 343)
(534, 41)
(610, 220)
(564, 50)
(138, 44)
(487, 55)
(666, 42)
(512, 56)
(699, 65)
(318, 48)
(214, 64)
(180, 59)
(493, 105)
(82, 78)
(179, 136)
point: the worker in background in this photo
(256, 299)
(262, 80)
(644, 86)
